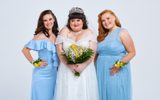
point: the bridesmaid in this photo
(114, 52)
(44, 75)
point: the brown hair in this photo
(41, 27)
(78, 16)
(101, 30)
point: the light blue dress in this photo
(118, 86)
(44, 78)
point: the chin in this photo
(50, 27)
(109, 27)
(76, 30)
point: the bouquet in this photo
(77, 54)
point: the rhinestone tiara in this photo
(76, 10)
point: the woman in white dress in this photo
(69, 86)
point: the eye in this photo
(44, 20)
(72, 20)
(78, 20)
(50, 19)
(103, 20)
(107, 18)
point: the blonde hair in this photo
(102, 32)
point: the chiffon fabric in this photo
(118, 86)
(44, 78)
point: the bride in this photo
(69, 86)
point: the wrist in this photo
(36, 63)
(119, 64)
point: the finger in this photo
(113, 72)
(46, 63)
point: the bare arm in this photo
(26, 51)
(93, 46)
(27, 54)
(63, 33)
(129, 45)
(60, 51)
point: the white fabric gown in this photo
(70, 87)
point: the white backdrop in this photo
(18, 20)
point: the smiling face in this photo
(108, 21)
(76, 24)
(48, 21)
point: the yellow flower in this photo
(75, 50)
(119, 64)
(76, 54)
(37, 63)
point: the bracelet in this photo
(119, 64)
(37, 63)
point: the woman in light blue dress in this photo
(44, 75)
(115, 44)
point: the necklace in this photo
(77, 33)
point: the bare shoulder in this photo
(64, 31)
(39, 36)
(125, 36)
(89, 32)
(124, 33)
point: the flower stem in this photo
(77, 74)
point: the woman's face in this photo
(76, 24)
(48, 21)
(108, 21)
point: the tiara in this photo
(76, 10)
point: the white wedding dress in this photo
(70, 87)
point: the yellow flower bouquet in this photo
(77, 54)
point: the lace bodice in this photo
(82, 42)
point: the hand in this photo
(80, 67)
(114, 70)
(43, 64)
(72, 67)
(40, 64)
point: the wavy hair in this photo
(103, 32)
(41, 27)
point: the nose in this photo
(76, 23)
(49, 21)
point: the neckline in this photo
(45, 40)
(77, 40)
(112, 31)
(77, 33)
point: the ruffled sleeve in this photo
(60, 39)
(40, 44)
(37, 45)
(55, 59)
